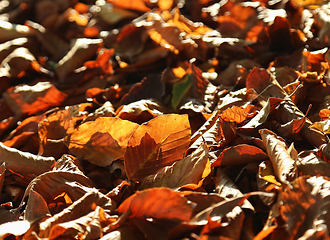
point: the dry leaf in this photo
(102, 141)
(191, 169)
(156, 144)
(157, 203)
(284, 165)
(25, 99)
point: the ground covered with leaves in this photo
(194, 119)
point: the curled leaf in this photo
(284, 165)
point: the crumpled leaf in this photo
(219, 210)
(191, 169)
(58, 125)
(309, 163)
(89, 225)
(65, 177)
(36, 207)
(157, 203)
(282, 158)
(303, 209)
(102, 141)
(83, 209)
(215, 131)
(156, 144)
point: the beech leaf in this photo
(285, 167)
(158, 203)
(102, 141)
(156, 144)
(191, 169)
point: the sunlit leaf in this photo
(156, 144)
(284, 165)
(159, 203)
(25, 99)
(191, 169)
(101, 141)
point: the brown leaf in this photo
(36, 207)
(158, 203)
(102, 141)
(240, 155)
(149, 87)
(155, 144)
(29, 100)
(191, 169)
(24, 162)
(226, 188)
(78, 212)
(303, 209)
(82, 50)
(141, 111)
(88, 225)
(284, 165)
(65, 177)
(219, 210)
(56, 126)
(234, 114)
(215, 131)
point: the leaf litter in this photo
(164, 119)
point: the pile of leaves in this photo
(141, 119)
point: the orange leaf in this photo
(156, 144)
(158, 203)
(239, 155)
(234, 114)
(102, 141)
(24, 99)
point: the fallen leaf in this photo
(156, 144)
(24, 162)
(82, 50)
(191, 169)
(29, 100)
(102, 141)
(240, 155)
(157, 203)
(141, 111)
(284, 165)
